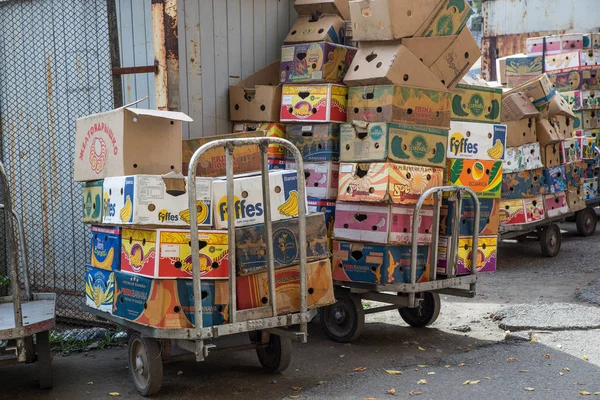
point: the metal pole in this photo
(475, 234)
(231, 212)
(266, 191)
(433, 259)
(414, 245)
(454, 239)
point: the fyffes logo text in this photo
(461, 145)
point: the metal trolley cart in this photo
(587, 219)
(418, 303)
(270, 334)
(24, 316)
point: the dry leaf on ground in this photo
(511, 359)
(584, 393)
(461, 365)
(393, 372)
(469, 382)
(529, 389)
(360, 369)
(296, 388)
(114, 394)
(586, 358)
(90, 383)
(420, 348)
(391, 391)
(422, 382)
(547, 355)
(415, 393)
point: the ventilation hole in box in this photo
(314, 66)
(176, 309)
(371, 190)
(264, 300)
(356, 68)
(408, 175)
(376, 145)
(237, 107)
(469, 171)
(293, 32)
(378, 64)
(355, 110)
(379, 110)
(405, 77)
(409, 111)
(356, 254)
(371, 57)
(314, 110)
(347, 147)
(277, 189)
(178, 264)
(263, 108)
(346, 226)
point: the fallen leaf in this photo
(596, 393)
(448, 366)
(561, 373)
(415, 393)
(584, 393)
(469, 382)
(360, 369)
(547, 355)
(431, 373)
(566, 369)
(533, 340)
(586, 358)
(422, 382)
(179, 373)
(524, 370)
(420, 348)
(529, 389)
(422, 365)
(90, 383)
(391, 391)
(296, 388)
(488, 378)
(393, 372)
(114, 394)
(459, 347)
(461, 365)
(368, 398)
(511, 359)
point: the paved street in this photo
(529, 293)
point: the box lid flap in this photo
(266, 76)
(178, 116)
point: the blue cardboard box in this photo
(524, 184)
(555, 179)
(99, 288)
(325, 206)
(488, 217)
(106, 247)
(316, 142)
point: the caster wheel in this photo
(344, 320)
(586, 220)
(145, 364)
(44, 359)
(275, 356)
(550, 240)
(427, 312)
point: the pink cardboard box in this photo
(321, 179)
(556, 204)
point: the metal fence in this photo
(55, 67)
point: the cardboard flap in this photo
(267, 76)
(539, 90)
(547, 132)
(177, 116)
(175, 184)
(312, 7)
(559, 106)
(317, 28)
(516, 106)
(429, 49)
(456, 61)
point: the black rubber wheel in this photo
(145, 364)
(586, 221)
(550, 240)
(44, 359)
(344, 320)
(427, 312)
(276, 355)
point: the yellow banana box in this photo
(484, 177)
(155, 200)
(476, 141)
(92, 202)
(167, 253)
(487, 255)
(99, 289)
(106, 247)
(476, 104)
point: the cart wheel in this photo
(550, 240)
(44, 359)
(586, 221)
(145, 364)
(344, 320)
(424, 315)
(276, 355)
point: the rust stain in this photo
(52, 128)
(166, 50)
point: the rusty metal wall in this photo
(55, 67)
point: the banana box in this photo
(576, 199)
(315, 62)
(154, 200)
(591, 171)
(551, 155)
(106, 247)
(538, 89)
(382, 141)
(522, 158)
(407, 105)
(316, 142)
(378, 263)
(538, 46)
(483, 177)
(566, 81)
(590, 119)
(247, 193)
(309, 28)
(314, 103)
(269, 129)
(556, 204)
(591, 41)
(476, 141)
(487, 255)
(588, 148)
(521, 132)
(92, 202)
(387, 182)
(564, 61)
(163, 253)
(571, 42)
(381, 223)
(590, 99)
(319, 7)
(590, 188)
(573, 99)
(328, 208)
(476, 104)
(522, 211)
(450, 20)
(169, 303)
(571, 150)
(524, 184)
(524, 66)
(251, 244)
(99, 289)
(588, 58)
(321, 178)
(488, 216)
(574, 173)
(253, 290)
(555, 179)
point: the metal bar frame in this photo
(23, 247)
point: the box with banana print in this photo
(99, 288)
(476, 141)
(106, 247)
(155, 200)
(476, 104)
(92, 202)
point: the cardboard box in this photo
(450, 19)
(477, 141)
(547, 132)
(571, 150)
(522, 158)
(99, 289)
(311, 28)
(105, 246)
(566, 81)
(321, 179)
(318, 7)
(487, 255)
(524, 66)
(212, 163)
(488, 216)
(381, 223)
(483, 177)
(377, 263)
(574, 173)
(571, 41)
(251, 244)
(588, 148)
(382, 141)
(590, 100)
(535, 45)
(590, 119)
(316, 142)
(155, 200)
(167, 253)
(268, 129)
(559, 62)
(558, 108)
(390, 64)
(476, 104)
(589, 78)
(516, 81)
(169, 303)
(127, 141)
(539, 90)
(524, 184)
(591, 41)
(590, 188)
(93, 205)
(516, 107)
(555, 179)
(521, 132)
(387, 182)
(328, 208)
(249, 208)
(589, 58)
(522, 211)
(257, 97)
(389, 103)
(576, 199)
(315, 62)
(556, 204)
(591, 171)
(314, 103)
(378, 20)
(573, 99)
(551, 155)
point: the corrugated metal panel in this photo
(221, 42)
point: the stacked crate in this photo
(393, 147)
(476, 148)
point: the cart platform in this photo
(38, 316)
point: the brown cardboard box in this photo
(328, 28)
(501, 71)
(547, 132)
(576, 199)
(258, 97)
(516, 106)
(127, 141)
(521, 132)
(564, 126)
(375, 20)
(551, 155)
(558, 106)
(384, 64)
(312, 7)
(539, 91)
